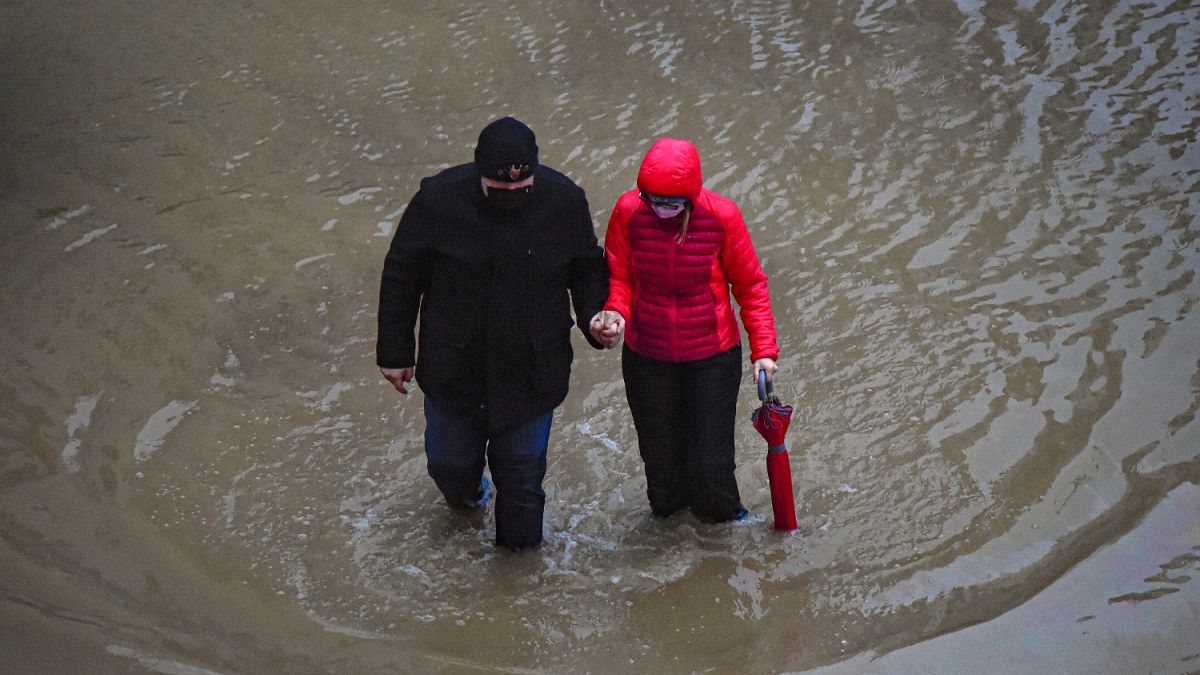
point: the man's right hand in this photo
(398, 377)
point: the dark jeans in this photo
(684, 415)
(457, 447)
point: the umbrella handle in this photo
(765, 388)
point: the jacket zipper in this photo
(671, 303)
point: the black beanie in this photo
(507, 151)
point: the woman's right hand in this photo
(765, 365)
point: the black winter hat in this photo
(507, 151)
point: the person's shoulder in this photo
(717, 202)
(628, 202)
(629, 199)
(723, 207)
(554, 180)
(452, 178)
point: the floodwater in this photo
(981, 221)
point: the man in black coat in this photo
(491, 255)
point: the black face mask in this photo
(508, 201)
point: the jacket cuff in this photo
(395, 358)
(772, 354)
(614, 307)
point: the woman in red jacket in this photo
(675, 250)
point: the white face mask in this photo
(666, 212)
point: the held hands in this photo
(607, 327)
(398, 377)
(767, 365)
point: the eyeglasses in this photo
(663, 200)
(524, 186)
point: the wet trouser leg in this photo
(517, 456)
(455, 446)
(684, 416)
(710, 386)
(458, 446)
(655, 394)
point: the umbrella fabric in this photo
(783, 505)
(771, 420)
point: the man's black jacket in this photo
(493, 291)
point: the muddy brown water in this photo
(980, 221)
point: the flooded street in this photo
(981, 223)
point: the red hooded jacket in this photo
(675, 296)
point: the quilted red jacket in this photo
(675, 296)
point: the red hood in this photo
(671, 168)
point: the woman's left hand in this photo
(767, 365)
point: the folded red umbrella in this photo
(771, 419)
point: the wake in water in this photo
(979, 223)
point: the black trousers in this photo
(684, 415)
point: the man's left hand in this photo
(607, 327)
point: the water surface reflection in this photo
(980, 224)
